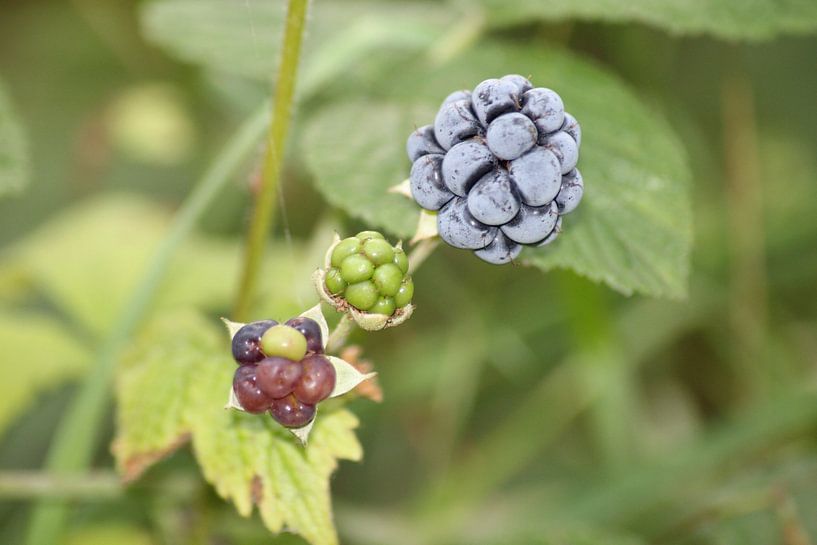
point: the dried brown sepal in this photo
(369, 389)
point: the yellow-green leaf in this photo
(88, 259)
(38, 353)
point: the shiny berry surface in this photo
(276, 377)
(345, 248)
(310, 329)
(246, 342)
(384, 306)
(405, 293)
(367, 235)
(334, 281)
(246, 389)
(378, 251)
(387, 279)
(317, 380)
(401, 259)
(283, 341)
(362, 295)
(291, 413)
(356, 268)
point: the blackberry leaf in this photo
(170, 390)
(214, 33)
(633, 230)
(39, 354)
(728, 19)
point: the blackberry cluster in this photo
(370, 274)
(282, 370)
(499, 164)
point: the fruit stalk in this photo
(283, 99)
(339, 335)
(420, 253)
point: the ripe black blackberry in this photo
(499, 166)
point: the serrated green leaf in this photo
(363, 187)
(243, 38)
(354, 169)
(14, 166)
(730, 19)
(633, 230)
(172, 387)
(38, 353)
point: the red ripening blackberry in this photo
(317, 379)
(277, 377)
(292, 413)
(282, 370)
(245, 386)
(310, 329)
(247, 342)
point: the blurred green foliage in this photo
(520, 406)
(13, 148)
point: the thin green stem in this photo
(97, 486)
(420, 253)
(748, 304)
(77, 436)
(340, 334)
(263, 214)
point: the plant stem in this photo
(263, 214)
(76, 438)
(97, 486)
(744, 202)
(602, 369)
(420, 253)
(339, 335)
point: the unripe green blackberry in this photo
(401, 259)
(345, 248)
(384, 305)
(387, 278)
(334, 281)
(356, 268)
(361, 295)
(367, 273)
(405, 293)
(378, 251)
(363, 236)
(284, 341)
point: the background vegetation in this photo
(673, 402)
